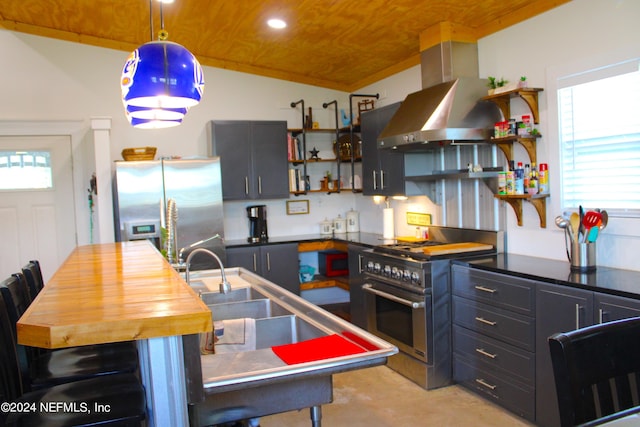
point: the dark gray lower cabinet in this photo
(356, 280)
(494, 337)
(559, 309)
(501, 326)
(277, 263)
(610, 307)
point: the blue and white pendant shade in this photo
(154, 118)
(161, 75)
(155, 113)
(153, 123)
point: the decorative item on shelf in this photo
(346, 120)
(523, 82)
(345, 147)
(314, 154)
(308, 120)
(494, 83)
(364, 105)
(324, 184)
(160, 81)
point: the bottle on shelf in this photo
(543, 179)
(519, 179)
(532, 188)
(510, 184)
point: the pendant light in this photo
(160, 81)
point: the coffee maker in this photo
(257, 223)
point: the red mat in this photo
(316, 349)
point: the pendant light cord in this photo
(151, 20)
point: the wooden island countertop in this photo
(112, 292)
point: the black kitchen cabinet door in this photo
(280, 265)
(356, 280)
(276, 263)
(246, 257)
(382, 170)
(609, 308)
(253, 158)
(558, 309)
(269, 149)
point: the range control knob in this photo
(377, 268)
(415, 278)
(387, 271)
(406, 275)
(396, 273)
(370, 266)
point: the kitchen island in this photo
(122, 292)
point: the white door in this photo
(37, 214)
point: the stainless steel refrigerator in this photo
(192, 189)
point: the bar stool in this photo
(63, 365)
(121, 396)
(33, 274)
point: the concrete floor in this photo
(379, 397)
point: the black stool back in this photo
(33, 274)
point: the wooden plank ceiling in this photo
(338, 44)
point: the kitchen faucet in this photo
(225, 286)
(199, 242)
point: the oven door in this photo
(398, 316)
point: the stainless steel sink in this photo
(254, 309)
(234, 295)
(248, 384)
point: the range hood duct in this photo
(450, 110)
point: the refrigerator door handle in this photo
(246, 185)
(259, 185)
(255, 263)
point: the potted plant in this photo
(523, 82)
(494, 83)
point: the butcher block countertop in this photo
(112, 292)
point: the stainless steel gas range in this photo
(407, 295)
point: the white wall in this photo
(583, 33)
(580, 35)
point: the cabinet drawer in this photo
(494, 356)
(516, 397)
(504, 325)
(511, 293)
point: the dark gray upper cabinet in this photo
(382, 170)
(253, 158)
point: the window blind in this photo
(600, 140)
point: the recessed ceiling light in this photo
(276, 23)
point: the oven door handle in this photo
(369, 288)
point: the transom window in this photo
(25, 170)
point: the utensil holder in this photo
(583, 256)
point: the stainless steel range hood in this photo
(450, 110)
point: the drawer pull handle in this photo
(485, 384)
(486, 322)
(486, 353)
(485, 289)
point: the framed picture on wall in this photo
(297, 207)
